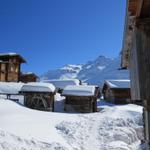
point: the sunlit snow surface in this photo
(113, 128)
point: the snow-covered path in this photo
(103, 131)
(114, 128)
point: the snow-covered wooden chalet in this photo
(28, 77)
(39, 96)
(80, 98)
(117, 91)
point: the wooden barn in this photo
(38, 96)
(10, 64)
(28, 77)
(117, 91)
(136, 56)
(80, 98)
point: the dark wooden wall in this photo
(83, 104)
(39, 101)
(140, 71)
(117, 95)
(28, 78)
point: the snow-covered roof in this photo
(58, 83)
(10, 87)
(38, 87)
(118, 83)
(80, 90)
(15, 88)
(29, 73)
(12, 54)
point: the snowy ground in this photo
(113, 128)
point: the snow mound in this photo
(10, 87)
(113, 128)
(12, 142)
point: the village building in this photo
(38, 96)
(35, 95)
(80, 98)
(117, 91)
(136, 56)
(10, 64)
(60, 84)
(28, 77)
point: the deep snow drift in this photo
(113, 128)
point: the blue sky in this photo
(52, 33)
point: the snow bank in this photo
(10, 87)
(80, 90)
(15, 88)
(12, 142)
(114, 128)
(59, 103)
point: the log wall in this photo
(39, 101)
(141, 72)
(80, 104)
(117, 96)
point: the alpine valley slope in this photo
(92, 72)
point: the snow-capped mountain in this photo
(66, 72)
(92, 72)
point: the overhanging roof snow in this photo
(118, 83)
(80, 90)
(37, 87)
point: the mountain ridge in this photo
(92, 72)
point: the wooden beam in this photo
(139, 8)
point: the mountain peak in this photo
(93, 72)
(102, 56)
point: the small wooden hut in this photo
(10, 64)
(117, 91)
(39, 96)
(80, 98)
(28, 77)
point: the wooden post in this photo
(140, 71)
